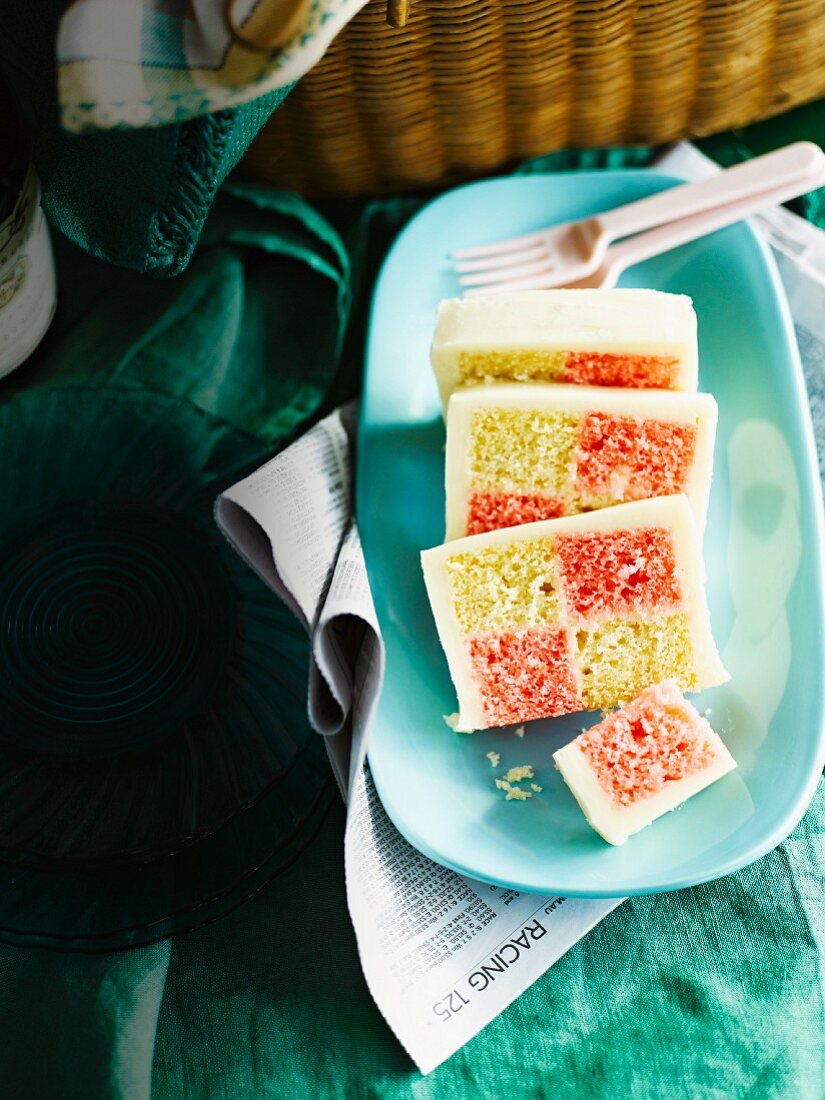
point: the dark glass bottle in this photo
(27, 278)
(13, 154)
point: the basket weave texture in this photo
(469, 85)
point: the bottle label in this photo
(27, 280)
(12, 282)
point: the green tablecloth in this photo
(713, 992)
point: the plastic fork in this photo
(654, 242)
(571, 252)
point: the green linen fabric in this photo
(714, 992)
(137, 198)
(80, 1025)
(236, 334)
(711, 992)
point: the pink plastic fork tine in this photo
(507, 246)
(534, 282)
(522, 263)
(503, 277)
(501, 260)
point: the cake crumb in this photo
(523, 771)
(519, 731)
(494, 758)
(535, 787)
(513, 794)
(452, 722)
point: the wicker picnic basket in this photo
(468, 85)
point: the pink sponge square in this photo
(656, 739)
(654, 455)
(618, 572)
(609, 369)
(490, 511)
(524, 675)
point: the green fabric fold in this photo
(80, 1026)
(251, 332)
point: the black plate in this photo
(156, 763)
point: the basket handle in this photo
(398, 12)
(269, 26)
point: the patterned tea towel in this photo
(152, 62)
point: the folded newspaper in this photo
(442, 954)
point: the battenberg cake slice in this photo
(572, 614)
(522, 453)
(624, 337)
(642, 761)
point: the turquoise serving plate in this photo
(763, 549)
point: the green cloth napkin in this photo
(712, 992)
(237, 333)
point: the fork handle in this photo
(664, 237)
(802, 159)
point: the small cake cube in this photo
(644, 339)
(571, 614)
(522, 453)
(642, 761)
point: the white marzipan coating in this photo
(621, 321)
(671, 512)
(616, 823)
(547, 397)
